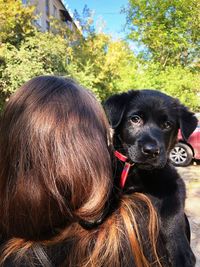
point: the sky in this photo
(108, 10)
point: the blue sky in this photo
(108, 10)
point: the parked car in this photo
(183, 152)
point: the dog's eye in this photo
(167, 125)
(136, 119)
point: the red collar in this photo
(126, 168)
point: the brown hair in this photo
(56, 172)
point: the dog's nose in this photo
(150, 150)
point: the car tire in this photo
(181, 155)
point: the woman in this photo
(59, 205)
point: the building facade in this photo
(45, 9)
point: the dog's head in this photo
(146, 124)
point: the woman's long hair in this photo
(56, 174)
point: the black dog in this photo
(146, 124)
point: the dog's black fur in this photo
(146, 124)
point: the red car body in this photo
(194, 140)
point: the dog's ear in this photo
(115, 106)
(188, 122)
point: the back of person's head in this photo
(56, 176)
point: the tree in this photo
(15, 21)
(95, 60)
(99, 64)
(168, 29)
(35, 56)
(176, 81)
(85, 21)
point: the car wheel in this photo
(181, 155)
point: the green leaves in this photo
(15, 21)
(169, 29)
(40, 54)
(169, 32)
(99, 63)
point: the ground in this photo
(191, 176)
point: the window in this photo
(47, 25)
(38, 19)
(38, 22)
(47, 7)
(54, 11)
(69, 24)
